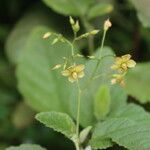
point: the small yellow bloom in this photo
(74, 72)
(117, 78)
(123, 63)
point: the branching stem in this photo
(98, 61)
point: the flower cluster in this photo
(122, 64)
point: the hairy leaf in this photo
(19, 35)
(138, 83)
(69, 7)
(58, 121)
(26, 147)
(99, 10)
(102, 102)
(129, 127)
(143, 11)
(42, 88)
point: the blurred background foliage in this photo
(130, 34)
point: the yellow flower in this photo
(74, 72)
(117, 78)
(123, 63)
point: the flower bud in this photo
(55, 41)
(56, 66)
(76, 27)
(91, 57)
(71, 20)
(79, 55)
(107, 24)
(46, 35)
(94, 32)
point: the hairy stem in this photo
(78, 109)
(102, 44)
(100, 55)
(77, 145)
(98, 61)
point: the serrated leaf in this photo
(118, 98)
(19, 35)
(60, 122)
(100, 10)
(102, 102)
(26, 147)
(42, 88)
(129, 127)
(69, 7)
(84, 134)
(138, 82)
(143, 11)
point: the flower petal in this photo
(65, 73)
(114, 67)
(126, 57)
(71, 79)
(131, 63)
(79, 68)
(81, 74)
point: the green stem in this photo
(100, 53)
(78, 109)
(98, 61)
(102, 43)
(77, 145)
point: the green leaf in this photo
(118, 98)
(138, 83)
(19, 35)
(143, 11)
(84, 134)
(100, 10)
(69, 7)
(102, 102)
(42, 88)
(26, 147)
(129, 127)
(60, 122)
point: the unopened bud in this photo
(113, 81)
(94, 32)
(56, 66)
(71, 20)
(79, 55)
(55, 41)
(46, 35)
(107, 24)
(91, 57)
(76, 26)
